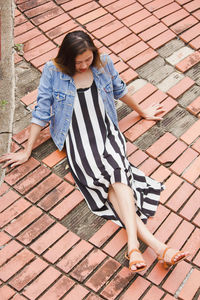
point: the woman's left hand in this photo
(151, 112)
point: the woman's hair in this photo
(73, 44)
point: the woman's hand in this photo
(14, 159)
(151, 112)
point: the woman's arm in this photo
(149, 113)
(18, 158)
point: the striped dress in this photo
(96, 152)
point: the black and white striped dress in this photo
(96, 152)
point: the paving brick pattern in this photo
(40, 257)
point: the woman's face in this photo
(83, 61)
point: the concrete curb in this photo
(7, 77)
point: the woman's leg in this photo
(119, 196)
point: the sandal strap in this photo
(163, 255)
(133, 250)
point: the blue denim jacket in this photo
(57, 91)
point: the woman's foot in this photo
(136, 262)
(170, 256)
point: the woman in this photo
(76, 95)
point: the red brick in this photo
(30, 55)
(161, 174)
(196, 261)
(197, 183)
(161, 145)
(194, 106)
(42, 59)
(86, 18)
(32, 179)
(20, 19)
(18, 173)
(167, 10)
(35, 42)
(38, 286)
(22, 28)
(116, 36)
(69, 178)
(153, 293)
(171, 185)
(118, 5)
(14, 147)
(121, 66)
(192, 206)
(22, 136)
(27, 36)
(197, 14)
(196, 220)
(95, 24)
(61, 247)
(136, 289)
(149, 166)
(181, 235)
(71, 259)
(30, 97)
(71, 4)
(152, 32)
(61, 29)
(83, 9)
(39, 9)
(157, 274)
(133, 51)
(102, 275)
(195, 44)
(192, 244)
(128, 10)
(138, 129)
(88, 265)
(184, 24)
(188, 62)
(183, 161)
(13, 211)
(23, 221)
(29, 273)
(128, 121)
(181, 87)
(172, 153)
(47, 15)
(176, 277)
(161, 39)
(180, 196)
(117, 284)
(55, 157)
(54, 22)
(6, 292)
(77, 293)
(15, 264)
(125, 43)
(104, 233)
(25, 5)
(142, 58)
(168, 227)
(58, 290)
(192, 6)
(43, 188)
(128, 75)
(55, 196)
(92, 297)
(145, 92)
(67, 205)
(130, 148)
(9, 251)
(155, 222)
(157, 4)
(3, 188)
(107, 29)
(4, 238)
(138, 157)
(35, 230)
(144, 24)
(7, 199)
(116, 243)
(192, 133)
(191, 286)
(136, 17)
(48, 238)
(175, 17)
(192, 173)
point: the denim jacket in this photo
(57, 91)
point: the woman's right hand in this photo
(14, 159)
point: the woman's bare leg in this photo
(115, 196)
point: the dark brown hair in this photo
(73, 44)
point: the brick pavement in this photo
(52, 247)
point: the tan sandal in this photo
(173, 262)
(135, 262)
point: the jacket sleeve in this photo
(119, 86)
(42, 111)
